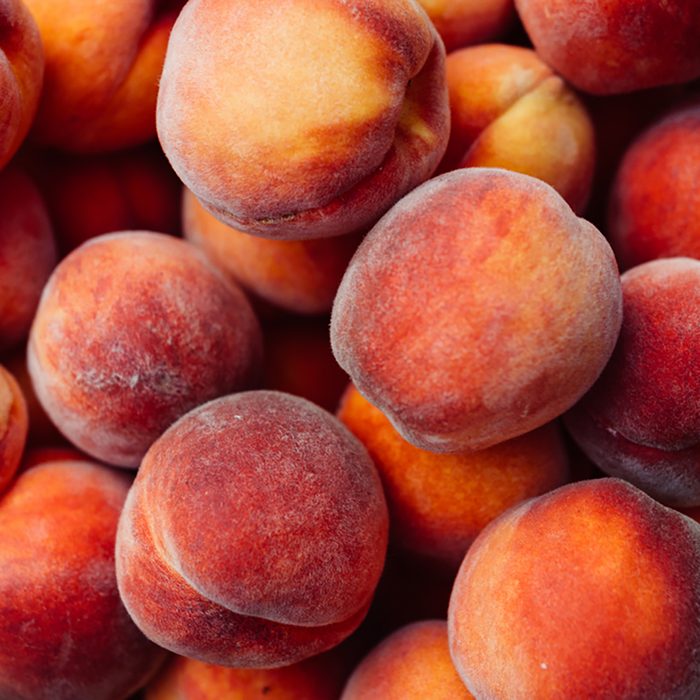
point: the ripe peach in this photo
(103, 61)
(641, 419)
(655, 203)
(299, 276)
(478, 309)
(254, 534)
(21, 74)
(616, 46)
(63, 630)
(166, 333)
(413, 662)
(464, 22)
(27, 255)
(439, 503)
(590, 591)
(509, 110)
(303, 119)
(13, 427)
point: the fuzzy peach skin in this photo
(464, 22)
(13, 427)
(254, 534)
(478, 309)
(509, 110)
(103, 62)
(641, 419)
(299, 276)
(303, 119)
(64, 633)
(134, 329)
(21, 75)
(414, 662)
(27, 255)
(87, 196)
(613, 46)
(439, 503)
(655, 202)
(590, 591)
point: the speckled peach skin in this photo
(641, 419)
(254, 535)
(591, 591)
(655, 201)
(27, 255)
(303, 120)
(21, 75)
(439, 503)
(479, 308)
(167, 332)
(64, 633)
(298, 276)
(103, 62)
(614, 46)
(13, 427)
(413, 662)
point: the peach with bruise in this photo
(166, 333)
(27, 255)
(21, 74)
(590, 591)
(303, 120)
(299, 276)
(616, 46)
(641, 419)
(64, 632)
(478, 309)
(103, 62)
(464, 22)
(509, 110)
(13, 427)
(655, 202)
(414, 662)
(255, 533)
(439, 503)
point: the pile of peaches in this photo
(366, 409)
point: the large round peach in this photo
(478, 309)
(133, 330)
(303, 119)
(612, 46)
(641, 420)
(591, 591)
(254, 534)
(13, 427)
(21, 74)
(64, 633)
(655, 202)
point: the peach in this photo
(64, 633)
(509, 110)
(303, 119)
(13, 427)
(413, 662)
(167, 332)
(21, 74)
(27, 255)
(478, 309)
(103, 61)
(655, 202)
(130, 190)
(299, 276)
(641, 419)
(464, 22)
(590, 591)
(299, 360)
(613, 46)
(439, 503)
(254, 534)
